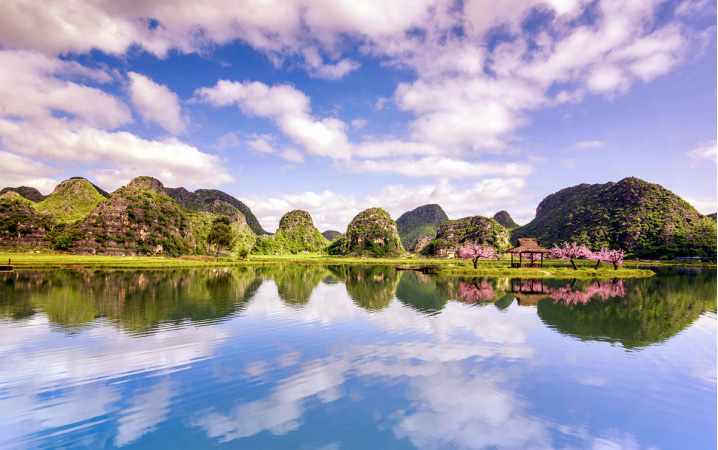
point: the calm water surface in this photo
(355, 357)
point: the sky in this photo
(337, 106)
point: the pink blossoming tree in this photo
(615, 257)
(475, 252)
(569, 252)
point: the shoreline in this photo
(446, 267)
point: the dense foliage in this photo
(504, 218)
(203, 199)
(296, 234)
(420, 222)
(372, 233)
(72, 200)
(644, 219)
(475, 252)
(453, 233)
(29, 193)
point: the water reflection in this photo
(135, 300)
(352, 357)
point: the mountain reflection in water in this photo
(354, 356)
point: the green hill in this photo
(504, 218)
(642, 218)
(29, 193)
(296, 234)
(455, 232)
(372, 232)
(71, 200)
(202, 199)
(420, 222)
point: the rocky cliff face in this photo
(504, 218)
(72, 200)
(29, 193)
(645, 219)
(21, 224)
(202, 199)
(137, 219)
(455, 232)
(296, 234)
(372, 232)
(420, 223)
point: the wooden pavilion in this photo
(526, 245)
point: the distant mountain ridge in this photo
(202, 199)
(29, 193)
(643, 218)
(421, 222)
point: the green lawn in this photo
(451, 267)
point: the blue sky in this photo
(334, 107)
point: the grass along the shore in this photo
(450, 267)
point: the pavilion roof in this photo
(527, 245)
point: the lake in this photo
(355, 357)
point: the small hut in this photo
(526, 245)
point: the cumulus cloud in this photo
(170, 160)
(332, 211)
(16, 170)
(289, 108)
(33, 86)
(156, 103)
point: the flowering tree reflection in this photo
(602, 289)
(473, 293)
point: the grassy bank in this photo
(450, 267)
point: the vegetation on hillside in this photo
(203, 199)
(296, 234)
(371, 233)
(72, 200)
(453, 233)
(645, 219)
(504, 218)
(420, 222)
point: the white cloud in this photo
(438, 166)
(705, 204)
(17, 170)
(705, 151)
(156, 103)
(289, 108)
(32, 87)
(170, 160)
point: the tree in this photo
(569, 252)
(220, 234)
(474, 251)
(615, 257)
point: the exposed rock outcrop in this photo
(21, 224)
(202, 199)
(372, 232)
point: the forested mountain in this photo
(420, 222)
(643, 218)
